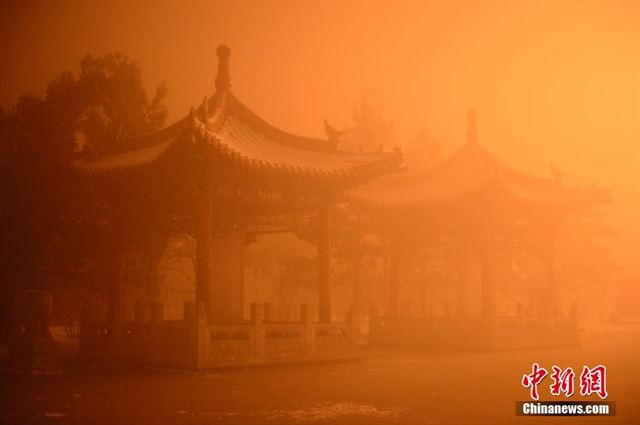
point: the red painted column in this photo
(550, 296)
(324, 261)
(203, 247)
(461, 284)
(550, 304)
(114, 300)
(393, 285)
(487, 283)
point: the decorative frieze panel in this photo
(284, 341)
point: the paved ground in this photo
(384, 388)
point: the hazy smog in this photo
(350, 212)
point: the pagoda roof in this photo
(237, 138)
(470, 170)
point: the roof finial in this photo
(472, 131)
(332, 134)
(223, 79)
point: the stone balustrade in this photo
(449, 333)
(193, 343)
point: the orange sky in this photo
(553, 81)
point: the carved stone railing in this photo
(284, 341)
(334, 338)
(520, 332)
(436, 334)
(626, 319)
(464, 334)
(193, 343)
(156, 342)
(229, 344)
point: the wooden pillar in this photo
(324, 261)
(307, 318)
(487, 284)
(550, 300)
(356, 305)
(257, 321)
(550, 295)
(203, 247)
(114, 298)
(227, 292)
(200, 343)
(393, 286)
(461, 285)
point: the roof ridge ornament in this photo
(472, 130)
(333, 135)
(223, 79)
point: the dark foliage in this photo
(54, 229)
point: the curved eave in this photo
(338, 177)
(131, 153)
(488, 172)
(389, 202)
(567, 200)
(236, 108)
(574, 201)
(245, 141)
(262, 150)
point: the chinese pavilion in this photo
(224, 174)
(477, 205)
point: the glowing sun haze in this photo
(554, 82)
